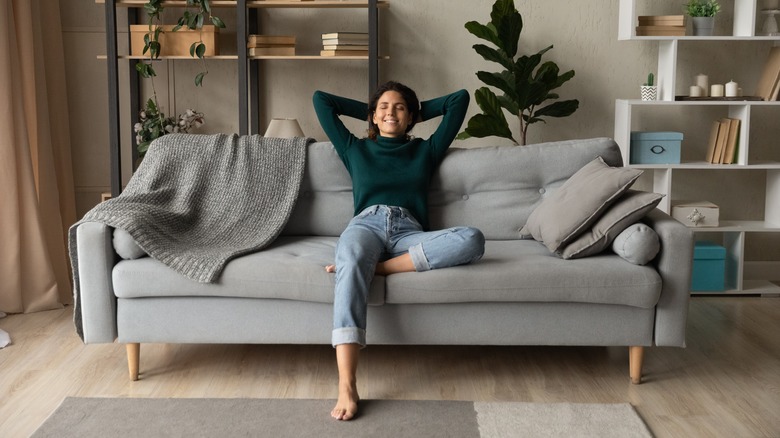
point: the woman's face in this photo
(391, 116)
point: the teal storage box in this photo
(655, 147)
(709, 267)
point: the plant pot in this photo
(174, 43)
(649, 92)
(702, 26)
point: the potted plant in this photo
(649, 90)
(153, 124)
(190, 19)
(526, 85)
(702, 12)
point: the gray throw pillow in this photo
(125, 245)
(632, 206)
(572, 208)
(637, 244)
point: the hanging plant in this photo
(193, 18)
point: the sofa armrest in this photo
(96, 260)
(674, 264)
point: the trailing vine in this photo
(195, 14)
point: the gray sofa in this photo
(518, 294)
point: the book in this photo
(342, 42)
(272, 51)
(345, 47)
(723, 134)
(343, 52)
(347, 36)
(660, 31)
(260, 40)
(767, 87)
(713, 141)
(666, 20)
(731, 142)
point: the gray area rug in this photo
(225, 417)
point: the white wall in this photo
(429, 50)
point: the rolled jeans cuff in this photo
(348, 335)
(419, 260)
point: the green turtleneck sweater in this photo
(391, 171)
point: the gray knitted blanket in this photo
(198, 201)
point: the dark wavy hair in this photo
(409, 96)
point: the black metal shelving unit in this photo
(248, 72)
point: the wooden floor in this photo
(726, 383)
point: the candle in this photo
(716, 90)
(704, 83)
(732, 89)
(695, 91)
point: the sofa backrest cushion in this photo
(494, 188)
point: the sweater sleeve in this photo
(453, 108)
(328, 108)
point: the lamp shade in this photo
(284, 128)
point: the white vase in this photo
(702, 26)
(649, 92)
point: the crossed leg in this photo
(402, 263)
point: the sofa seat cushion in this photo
(291, 268)
(526, 271)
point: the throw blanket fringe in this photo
(197, 201)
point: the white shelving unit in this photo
(733, 232)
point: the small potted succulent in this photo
(649, 89)
(702, 12)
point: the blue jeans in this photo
(381, 232)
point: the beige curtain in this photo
(36, 176)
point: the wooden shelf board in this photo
(315, 57)
(163, 58)
(259, 3)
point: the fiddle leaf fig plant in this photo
(526, 86)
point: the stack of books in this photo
(344, 44)
(661, 25)
(271, 45)
(724, 139)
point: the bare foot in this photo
(347, 403)
(330, 269)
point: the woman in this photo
(390, 173)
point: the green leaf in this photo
(176, 28)
(463, 136)
(490, 54)
(199, 79)
(492, 121)
(216, 21)
(508, 24)
(481, 125)
(563, 108)
(199, 21)
(200, 50)
(192, 49)
(503, 81)
(206, 5)
(483, 32)
(509, 104)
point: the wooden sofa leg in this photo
(635, 356)
(133, 359)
